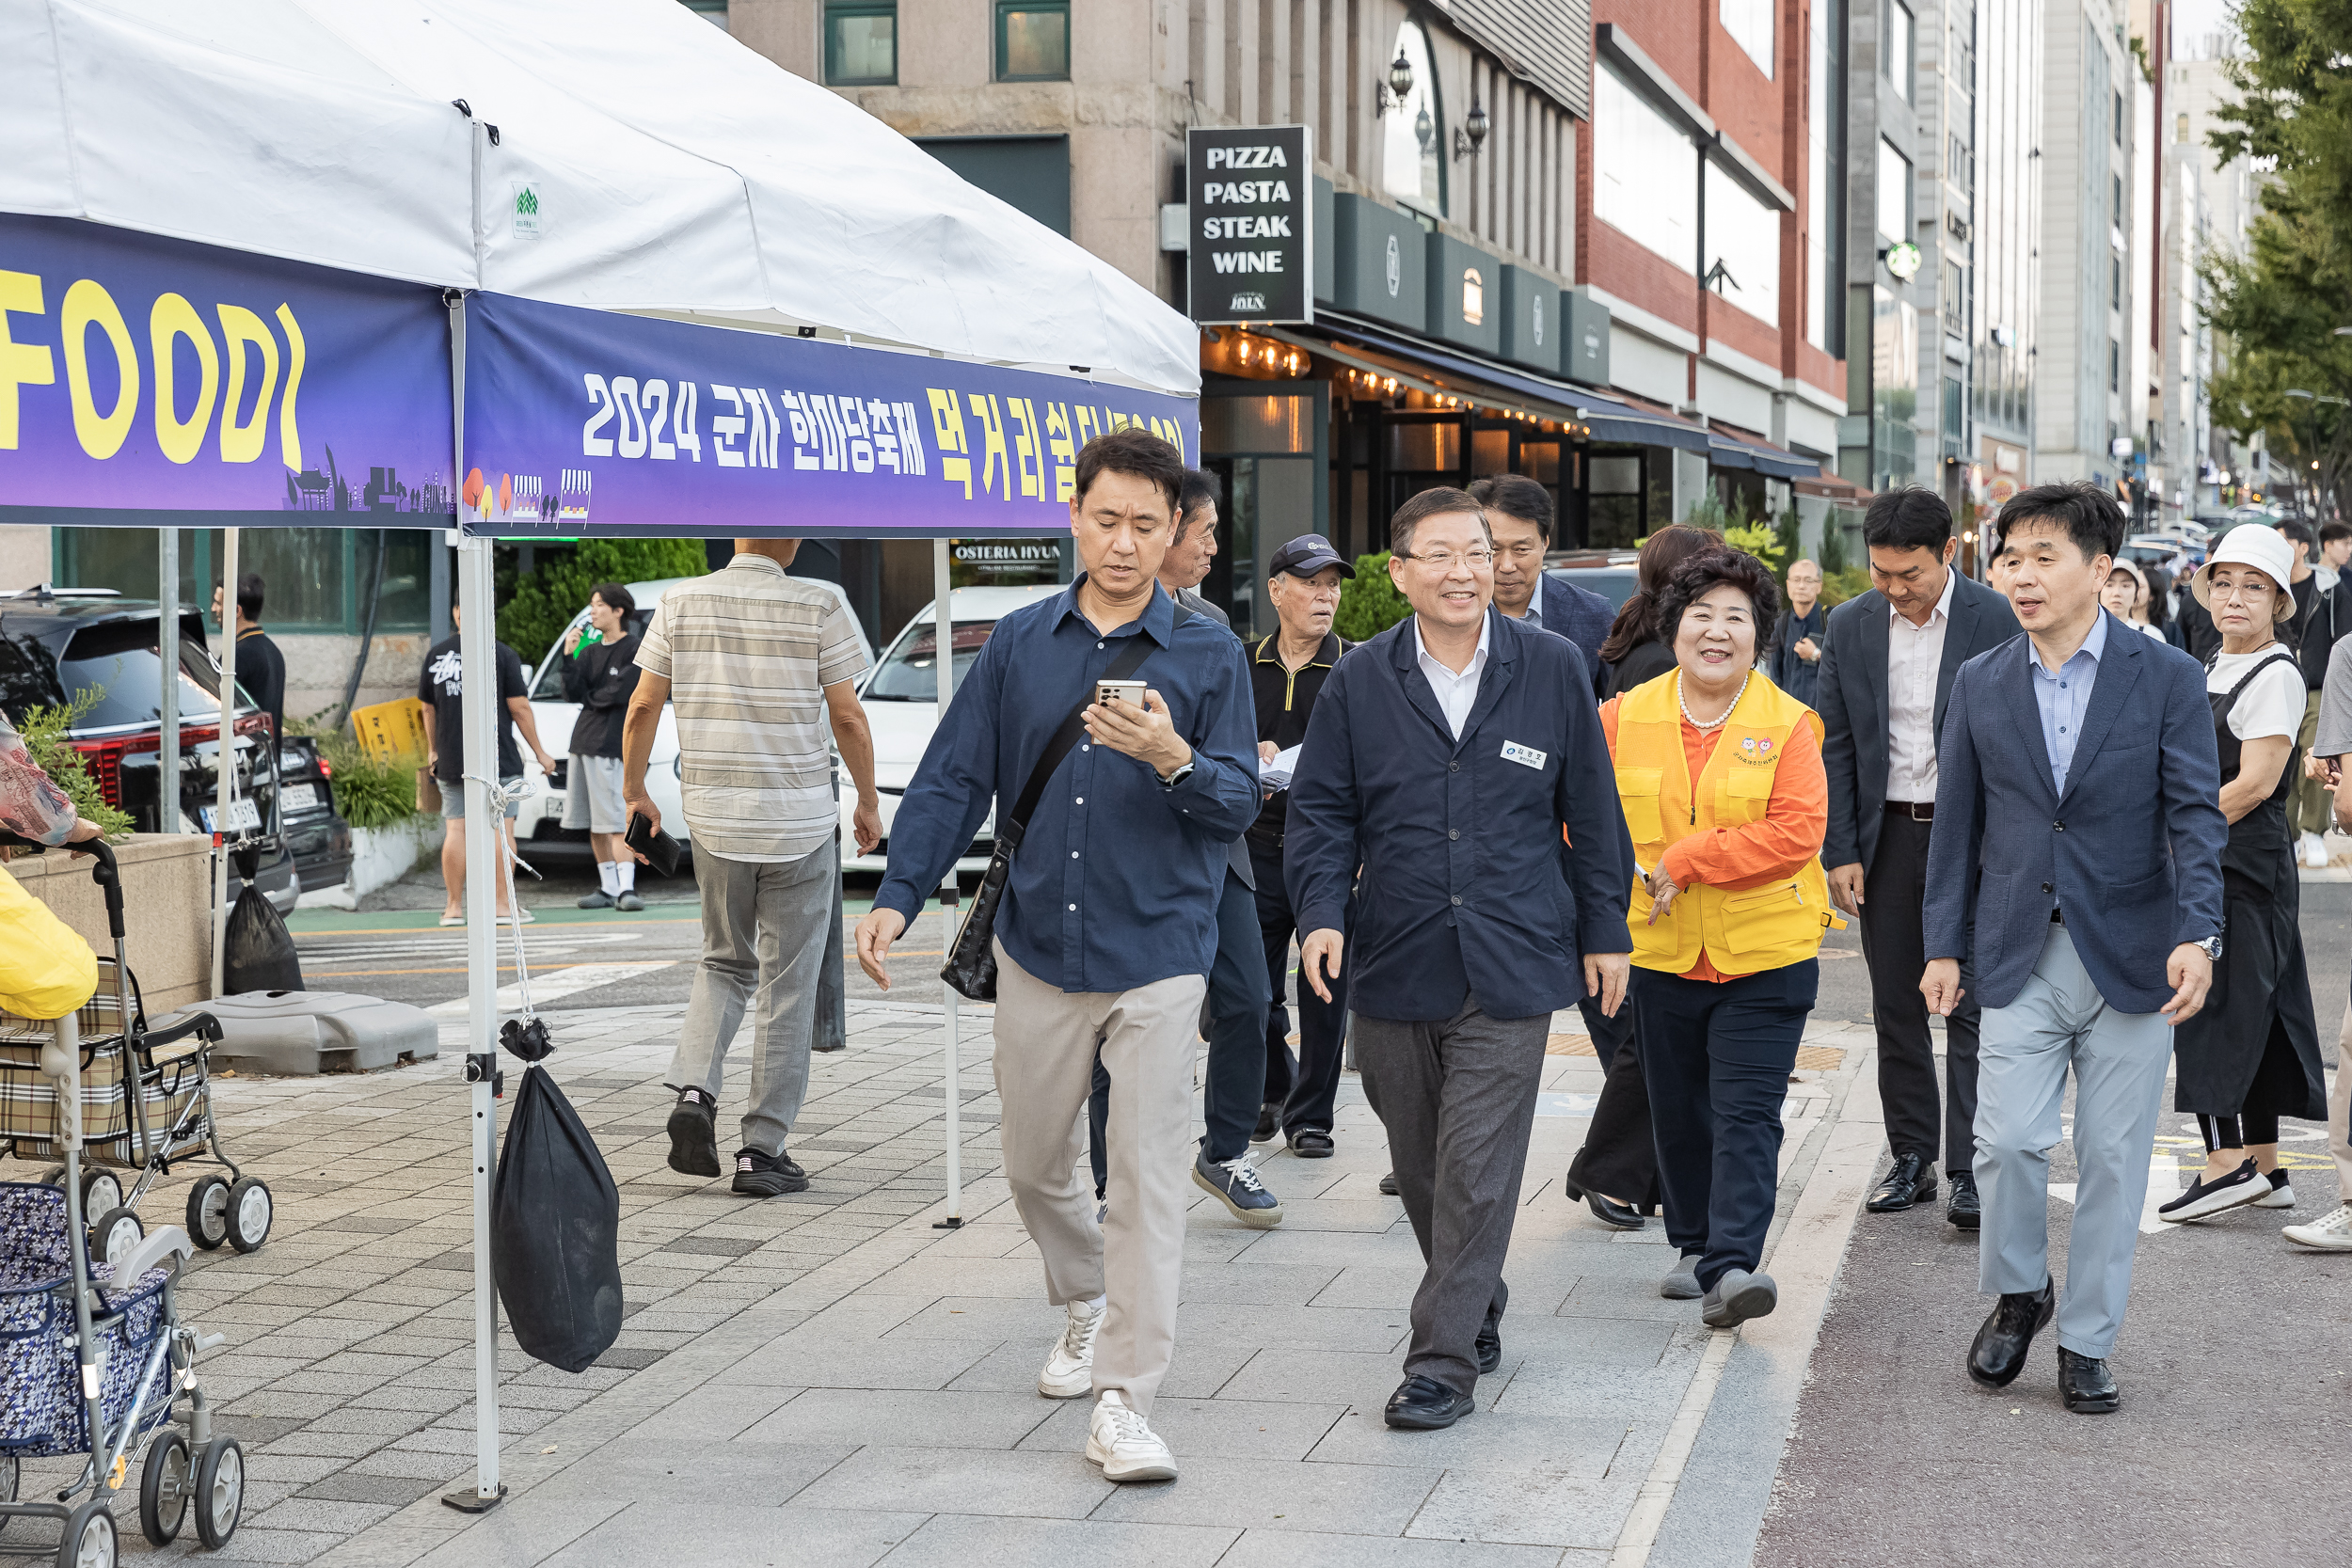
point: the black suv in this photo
(55, 643)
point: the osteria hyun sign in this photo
(581, 422)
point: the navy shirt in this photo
(1116, 880)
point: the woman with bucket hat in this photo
(2251, 1053)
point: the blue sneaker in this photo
(1235, 1184)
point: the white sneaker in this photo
(1120, 1441)
(1070, 1371)
(2314, 851)
(2332, 1233)
(2281, 1195)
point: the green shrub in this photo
(1369, 602)
(367, 793)
(46, 730)
(561, 580)
(1846, 582)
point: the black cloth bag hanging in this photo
(555, 1223)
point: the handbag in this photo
(971, 966)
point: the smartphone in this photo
(1131, 692)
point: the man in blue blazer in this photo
(1518, 514)
(2077, 819)
(1444, 759)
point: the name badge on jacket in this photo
(1526, 757)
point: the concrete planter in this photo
(166, 907)
(379, 857)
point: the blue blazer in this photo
(1579, 614)
(2131, 853)
(1466, 884)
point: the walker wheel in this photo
(116, 1233)
(100, 1191)
(249, 1213)
(208, 1211)
(164, 1489)
(53, 1176)
(220, 1492)
(90, 1538)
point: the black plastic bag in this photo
(257, 954)
(555, 1226)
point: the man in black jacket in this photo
(599, 674)
(261, 667)
(1884, 681)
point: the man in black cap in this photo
(1287, 670)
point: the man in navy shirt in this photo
(1108, 922)
(1446, 758)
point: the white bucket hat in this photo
(2264, 549)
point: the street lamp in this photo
(1391, 93)
(1470, 134)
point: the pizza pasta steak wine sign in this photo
(1249, 191)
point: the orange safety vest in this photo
(1743, 932)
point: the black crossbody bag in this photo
(971, 966)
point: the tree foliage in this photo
(1369, 602)
(558, 587)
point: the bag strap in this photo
(1129, 660)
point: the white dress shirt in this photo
(1456, 694)
(1915, 656)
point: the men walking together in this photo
(2076, 827)
(1444, 760)
(1885, 684)
(1108, 920)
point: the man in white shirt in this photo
(758, 662)
(1884, 680)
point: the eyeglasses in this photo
(1445, 560)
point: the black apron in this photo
(2254, 1045)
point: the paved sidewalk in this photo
(825, 1379)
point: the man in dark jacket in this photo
(1518, 514)
(1797, 643)
(599, 674)
(261, 668)
(1446, 758)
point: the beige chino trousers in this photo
(1046, 1041)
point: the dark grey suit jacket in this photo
(1850, 698)
(1237, 852)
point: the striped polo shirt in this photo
(748, 652)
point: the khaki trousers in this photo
(2339, 1112)
(1046, 1044)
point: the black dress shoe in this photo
(1965, 1211)
(2088, 1386)
(1424, 1405)
(1308, 1144)
(1269, 1123)
(1911, 1180)
(1388, 1184)
(1616, 1215)
(1489, 1348)
(2001, 1345)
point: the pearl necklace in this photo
(1715, 723)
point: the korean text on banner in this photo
(579, 423)
(141, 374)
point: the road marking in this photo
(1556, 1104)
(2163, 1185)
(553, 984)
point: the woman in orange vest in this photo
(1719, 773)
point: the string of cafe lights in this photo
(1252, 351)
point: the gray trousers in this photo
(765, 926)
(2118, 1059)
(1458, 1098)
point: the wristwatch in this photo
(1172, 780)
(2212, 946)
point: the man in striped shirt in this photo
(755, 662)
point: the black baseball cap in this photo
(1307, 555)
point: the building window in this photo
(1893, 193)
(1896, 48)
(1744, 248)
(1645, 173)
(861, 43)
(2116, 188)
(316, 579)
(1033, 41)
(2115, 366)
(1412, 147)
(1750, 25)
(2180, 128)
(712, 11)
(2115, 282)
(2119, 119)
(1823, 284)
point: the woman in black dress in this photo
(2251, 1053)
(1615, 1173)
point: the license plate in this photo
(243, 814)
(299, 797)
(555, 802)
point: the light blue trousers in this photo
(2060, 1021)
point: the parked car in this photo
(58, 642)
(901, 699)
(541, 818)
(319, 839)
(1609, 573)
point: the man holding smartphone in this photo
(1108, 921)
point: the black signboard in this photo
(1251, 195)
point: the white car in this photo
(542, 815)
(901, 699)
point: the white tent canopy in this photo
(719, 186)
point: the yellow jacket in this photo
(45, 970)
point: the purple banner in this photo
(579, 422)
(140, 375)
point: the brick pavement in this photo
(824, 1379)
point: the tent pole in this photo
(167, 650)
(944, 665)
(225, 756)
